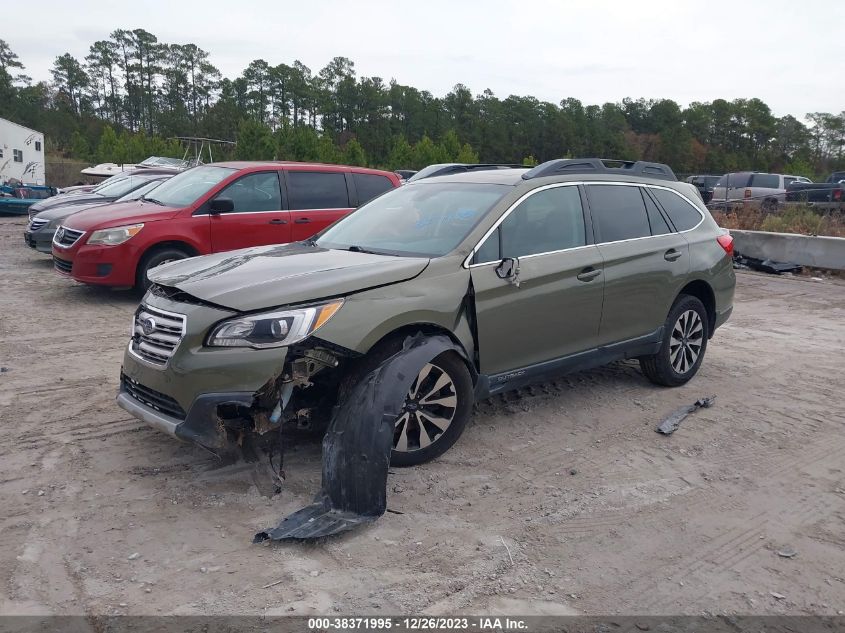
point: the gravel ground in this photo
(558, 499)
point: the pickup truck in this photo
(827, 195)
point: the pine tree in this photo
(353, 154)
(79, 147)
(401, 155)
(109, 149)
(466, 155)
(255, 141)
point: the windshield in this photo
(428, 219)
(140, 191)
(109, 181)
(184, 189)
(122, 186)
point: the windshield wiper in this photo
(153, 200)
(359, 249)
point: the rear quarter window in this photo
(765, 181)
(370, 185)
(618, 212)
(682, 214)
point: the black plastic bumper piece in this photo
(357, 447)
(203, 426)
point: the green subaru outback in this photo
(512, 276)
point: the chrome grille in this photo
(156, 334)
(67, 237)
(37, 223)
(152, 398)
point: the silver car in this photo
(753, 188)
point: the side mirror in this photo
(221, 205)
(507, 268)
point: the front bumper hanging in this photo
(357, 447)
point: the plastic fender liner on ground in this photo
(357, 447)
(671, 423)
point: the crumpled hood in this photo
(269, 276)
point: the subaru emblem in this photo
(148, 326)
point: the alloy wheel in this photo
(429, 409)
(687, 340)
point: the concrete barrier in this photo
(806, 250)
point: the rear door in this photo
(315, 199)
(555, 309)
(258, 217)
(645, 261)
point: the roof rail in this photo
(563, 166)
(442, 169)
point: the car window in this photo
(140, 191)
(734, 180)
(549, 220)
(123, 186)
(317, 190)
(766, 181)
(683, 215)
(788, 180)
(655, 218)
(370, 185)
(489, 250)
(428, 219)
(618, 212)
(186, 188)
(254, 192)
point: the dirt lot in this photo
(599, 514)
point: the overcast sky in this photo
(790, 54)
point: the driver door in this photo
(257, 218)
(552, 307)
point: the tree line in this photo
(132, 92)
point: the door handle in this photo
(301, 221)
(671, 255)
(277, 221)
(588, 274)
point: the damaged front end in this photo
(358, 444)
(319, 387)
(299, 396)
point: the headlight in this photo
(273, 329)
(117, 235)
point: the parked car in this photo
(704, 184)
(479, 282)
(18, 199)
(107, 191)
(442, 169)
(210, 209)
(753, 188)
(828, 195)
(404, 174)
(42, 226)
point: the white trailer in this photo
(21, 154)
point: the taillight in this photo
(837, 195)
(727, 243)
(748, 194)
